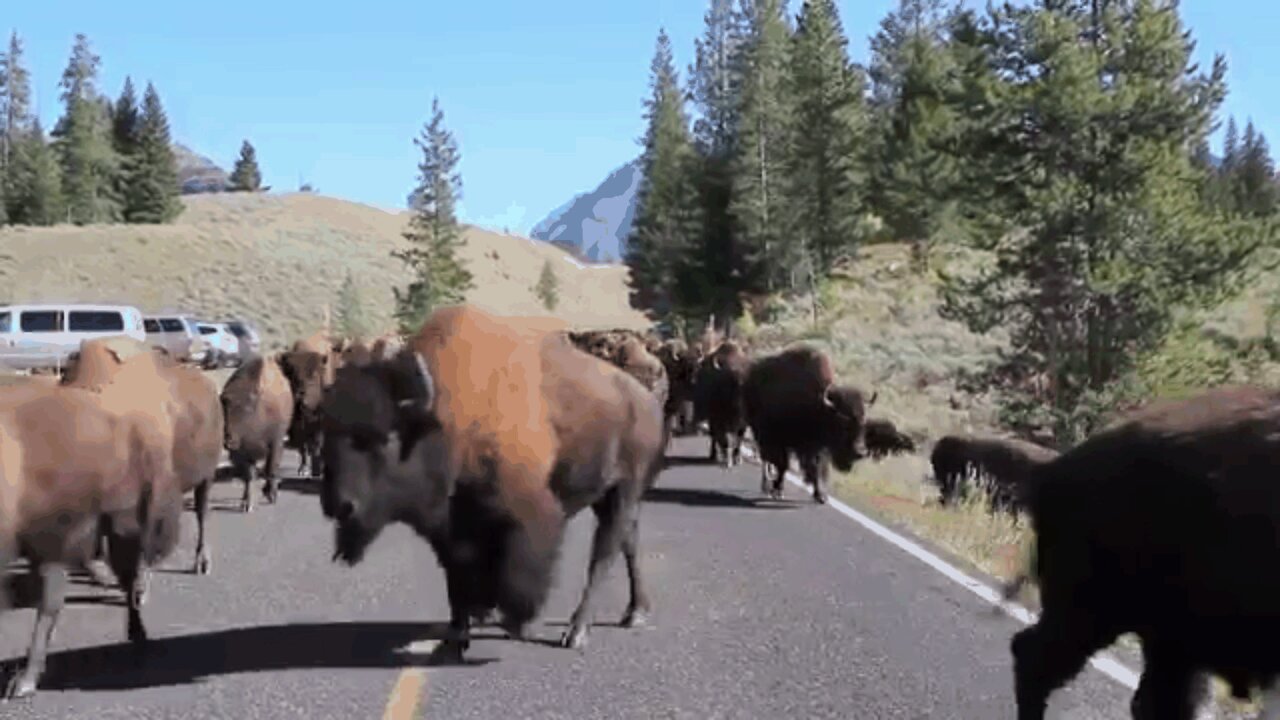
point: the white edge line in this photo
(1103, 662)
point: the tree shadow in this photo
(187, 659)
(696, 497)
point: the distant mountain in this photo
(596, 224)
(197, 173)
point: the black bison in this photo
(485, 435)
(257, 409)
(1164, 525)
(884, 439)
(75, 462)
(682, 368)
(794, 406)
(720, 380)
(1003, 463)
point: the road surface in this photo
(761, 610)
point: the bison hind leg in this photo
(53, 578)
(614, 513)
(1049, 654)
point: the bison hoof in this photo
(204, 565)
(21, 686)
(634, 619)
(575, 638)
(451, 650)
(820, 497)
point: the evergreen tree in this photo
(548, 287)
(245, 176)
(760, 186)
(15, 98)
(34, 195)
(83, 139)
(715, 87)
(125, 120)
(1252, 179)
(435, 235)
(352, 319)
(660, 250)
(828, 169)
(152, 186)
(890, 51)
(1230, 147)
(1086, 147)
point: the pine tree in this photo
(245, 176)
(125, 120)
(1252, 180)
(435, 235)
(760, 185)
(1093, 171)
(715, 87)
(828, 171)
(352, 320)
(15, 104)
(890, 45)
(152, 187)
(1230, 147)
(548, 287)
(34, 195)
(83, 139)
(664, 270)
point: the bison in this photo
(309, 366)
(258, 408)
(638, 362)
(720, 381)
(884, 439)
(793, 405)
(1165, 525)
(1005, 462)
(485, 435)
(75, 461)
(682, 368)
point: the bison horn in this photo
(426, 388)
(872, 401)
(826, 398)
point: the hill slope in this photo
(277, 259)
(596, 223)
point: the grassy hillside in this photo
(277, 259)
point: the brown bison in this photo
(793, 405)
(720, 382)
(257, 407)
(486, 434)
(309, 365)
(73, 462)
(632, 357)
(121, 365)
(682, 368)
(1003, 463)
(1164, 525)
(884, 439)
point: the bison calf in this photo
(884, 439)
(1003, 463)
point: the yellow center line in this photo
(410, 687)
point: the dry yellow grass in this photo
(275, 260)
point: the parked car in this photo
(41, 337)
(224, 347)
(250, 343)
(177, 335)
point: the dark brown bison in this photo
(122, 365)
(682, 368)
(309, 366)
(884, 439)
(486, 434)
(720, 380)
(793, 405)
(75, 462)
(1003, 464)
(1164, 525)
(258, 407)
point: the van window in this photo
(172, 325)
(208, 329)
(4, 322)
(41, 320)
(236, 329)
(95, 321)
(151, 325)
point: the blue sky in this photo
(544, 97)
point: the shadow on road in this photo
(301, 485)
(679, 460)
(187, 659)
(709, 498)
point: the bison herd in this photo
(487, 434)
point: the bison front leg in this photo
(458, 584)
(612, 523)
(815, 470)
(639, 607)
(204, 562)
(53, 579)
(246, 470)
(126, 563)
(271, 470)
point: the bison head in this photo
(306, 372)
(845, 425)
(382, 451)
(240, 398)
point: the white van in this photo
(42, 336)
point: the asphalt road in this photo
(761, 610)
